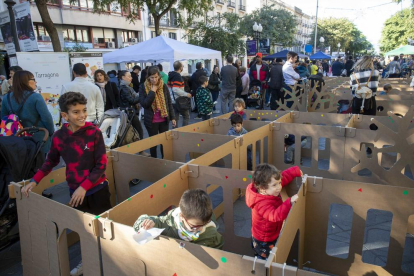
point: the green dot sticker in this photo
(223, 259)
(127, 146)
(97, 217)
(405, 193)
(165, 185)
(250, 176)
(129, 199)
(182, 134)
(52, 180)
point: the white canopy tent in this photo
(161, 49)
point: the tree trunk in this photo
(48, 23)
(157, 24)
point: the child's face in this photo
(238, 107)
(192, 225)
(274, 188)
(205, 83)
(76, 116)
(238, 127)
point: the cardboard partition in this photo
(397, 107)
(43, 225)
(222, 126)
(129, 166)
(264, 115)
(390, 156)
(361, 198)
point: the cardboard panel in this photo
(393, 136)
(41, 213)
(230, 148)
(129, 166)
(264, 115)
(222, 126)
(250, 139)
(361, 197)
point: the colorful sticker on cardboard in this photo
(51, 101)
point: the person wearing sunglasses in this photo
(192, 221)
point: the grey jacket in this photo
(228, 77)
(234, 133)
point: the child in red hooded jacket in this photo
(268, 209)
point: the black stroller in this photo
(256, 95)
(20, 157)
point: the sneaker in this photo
(216, 112)
(143, 153)
(268, 104)
(77, 271)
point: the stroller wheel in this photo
(135, 181)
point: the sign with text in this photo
(24, 26)
(6, 32)
(251, 47)
(92, 61)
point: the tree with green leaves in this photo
(220, 32)
(279, 26)
(343, 31)
(397, 29)
(186, 11)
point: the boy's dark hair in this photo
(196, 204)
(71, 98)
(313, 61)
(122, 74)
(136, 67)
(202, 79)
(263, 175)
(79, 69)
(199, 65)
(239, 101)
(291, 55)
(15, 68)
(279, 60)
(236, 119)
(387, 87)
(160, 66)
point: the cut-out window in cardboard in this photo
(249, 159)
(324, 153)
(215, 193)
(339, 230)
(242, 215)
(293, 256)
(306, 151)
(192, 155)
(408, 255)
(289, 148)
(377, 237)
(258, 152)
(367, 147)
(408, 172)
(74, 251)
(387, 159)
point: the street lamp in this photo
(257, 29)
(10, 4)
(321, 40)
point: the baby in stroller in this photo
(255, 94)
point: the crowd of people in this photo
(163, 98)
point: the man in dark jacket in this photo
(195, 83)
(325, 67)
(143, 75)
(260, 71)
(276, 83)
(337, 67)
(348, 66)
(135, 73)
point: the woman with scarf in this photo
(130, 98)
(158, 109)
(109, 91)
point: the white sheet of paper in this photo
(143, 236)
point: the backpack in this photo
(363, 92)
(11, 124)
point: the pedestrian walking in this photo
(228, 84)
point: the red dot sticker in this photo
(227, 177)
(151, 196)
(360, 190)
(194, 129)
(175, 274)
(202, 140)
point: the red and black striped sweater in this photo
(84, 154)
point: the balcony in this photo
(242, 7)
(221, 2)
(231, 4)
(164, 22)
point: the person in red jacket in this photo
(268, 209)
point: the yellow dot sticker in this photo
(321, 115)
(198, 145)
(244, 179)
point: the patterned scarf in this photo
(159, 103)
(103, 91)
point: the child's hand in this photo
(293, 199)
(301, 173)
(147, 224)
(28, 188)
(77, 197)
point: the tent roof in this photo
(160, 49)
(282, 55)
(406, 50)
(319, 55)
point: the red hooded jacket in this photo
(269, 212)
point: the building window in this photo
(40, 32)
(153, 34)
(76, 34)
(53, 2)
(172, 36)
(128, 35)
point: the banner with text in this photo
(6, 32)
(92, 61)
(51, 71)
(24, 26)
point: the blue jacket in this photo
(234, 133)
(337, 68)
(34, 109)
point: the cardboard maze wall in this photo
(209, 141)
